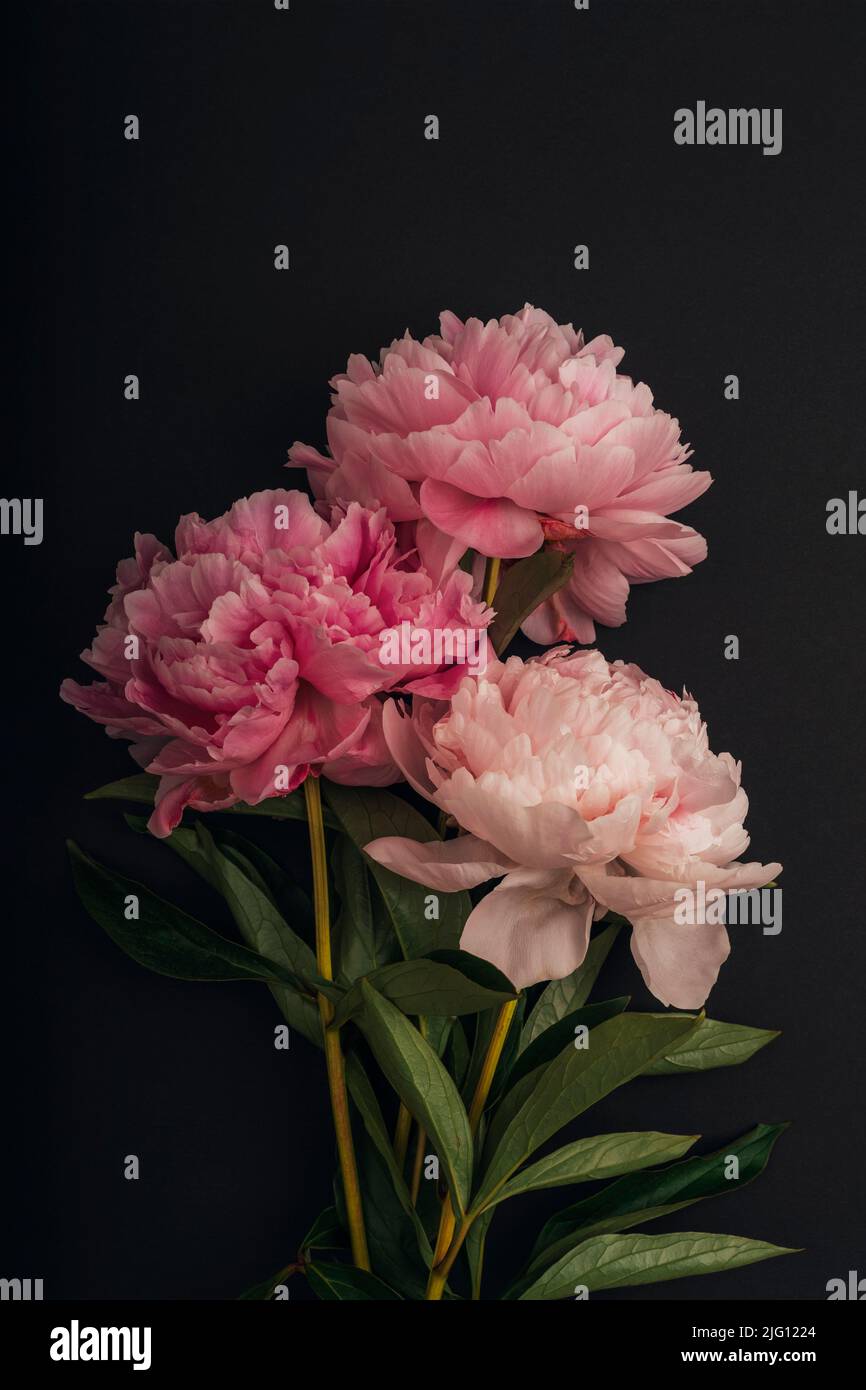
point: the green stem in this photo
(447, 1242)
(330, 1034)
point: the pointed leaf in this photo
(140, 788)
(422, 1083)
(425, 986)
(522, 587)
(260, 923)
(326, 1232)
(164, 938)
(646, 1196)
(550, 1043)
(562, 997)
(366, 814)
(616, 1261)
(714, 1045)
(618, 1050)
(263, 1292)
(399, 1249)
(364, 937)
(602, 1156)
(364, 1098)
(344, 1282)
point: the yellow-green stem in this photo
(491, 578)
(330, 1034)
(417, 1166)
(447, 1243)
(401, 1135)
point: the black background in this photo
(260, 127)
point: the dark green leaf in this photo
(562, 997)
(141, 788)
(345, 1282)
(457, 1054)
(474, 1250)
(645, 1196)
(326, 1232)
(260, 923)
(618, 1050)
(164, 938)
(363, 934)
(522, 587)
(263, 1292)
(602, 1156)
(364, 1099)
(399, 1249)
(367, 814)
(422, 1083)
(550, 1043)
(424, 986)
(298, 1008)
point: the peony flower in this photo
(257, 655)
(504, 436)
(585, 786)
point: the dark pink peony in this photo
(256, 656)
(502, 436)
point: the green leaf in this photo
(425, 986)
(615, 1261)
(326, 1232)
(522, 587)
(618, 1050)
(141, 788)
(263, 1292)
(366, 814)
(344, 1282)
(561, 997)
(485, 1026)
(289, 898)
(647, 1196)
(550, 1043)
(364, 1098)
(399, 1249)
(713, 1045)
(602, 1156)
(164, 938)
(474, 1250)
(298, 1009)
(259, 922)
(363, 935)
(457, 1054)
(422, 1083)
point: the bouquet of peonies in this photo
(295, 659)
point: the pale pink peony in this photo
(502, 436)
(589, 787)
(254, 657)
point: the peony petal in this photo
(530, 928)
(680, 964)
(448, 865)
(492, 526)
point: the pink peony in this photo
(256, 655)
(502, 436)
(588, 786)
